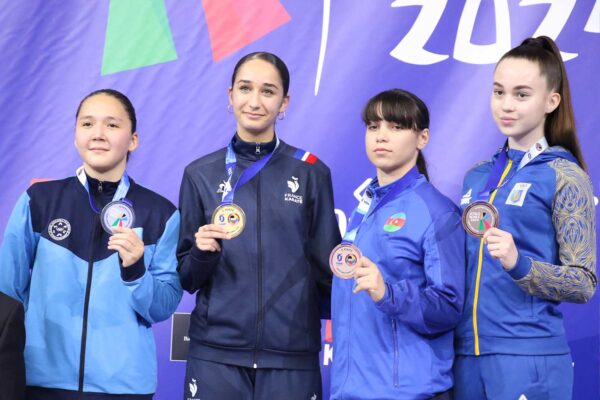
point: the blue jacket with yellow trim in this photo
(548, 208)
(88, 319)
(402, 346)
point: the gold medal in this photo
(343, 260)
(231, 217)
(480, 216)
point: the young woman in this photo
(393, 318)
(92, 257)
(538, 245)
(258, 224)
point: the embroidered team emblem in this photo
(466, 198)
(517, 194)
(395, 222)
(59, 229)
(293, 185)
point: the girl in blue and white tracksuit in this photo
(393, 322)
(511, 342)
(90, 296)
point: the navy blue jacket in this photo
(258, 300)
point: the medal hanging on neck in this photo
(228, 214)
(482, 215)
(344, 257)
(119, 212)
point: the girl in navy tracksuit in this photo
(90, 296)
(393, 322)
(255, 330)
(511, 342)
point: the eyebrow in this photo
(264, 84)
(519, 87)
(109, 117)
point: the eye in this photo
(85, 124)
(498, 92)
(268, 92)
(113, 125)
(372, 126)
(397, 127)
(244, 89)
(522, 95)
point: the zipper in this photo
(259, 317)
(257, 150)
(479, 266)
(396, 353)
(86, 304)
(100, 188)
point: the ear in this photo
(229, 95)
(135, 141)
(284, 103)
(552, 102)
(423, 138)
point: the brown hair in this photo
(559, 127)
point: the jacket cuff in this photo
(521, 268)
(204, 256)
(387, 301)
(133, 272)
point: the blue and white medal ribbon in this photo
(228, 214)
(119, 212)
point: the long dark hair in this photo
(403, 108)
(272, 59)
(559, 127)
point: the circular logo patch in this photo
(59, 229)
(395, 222)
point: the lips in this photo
(381, 150)
(507, 121)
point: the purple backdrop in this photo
(174, 59)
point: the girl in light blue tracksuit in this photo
(393, 322)
(511, 342)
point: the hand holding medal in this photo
(208, 235)
(501, 245)
(128, 244)
(369, 278)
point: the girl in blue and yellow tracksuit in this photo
(90, 296)
(393, 322)
(511, 342)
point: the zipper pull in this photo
(255, 365)
(257, 151)
(99, 186)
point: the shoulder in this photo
(304, 159)
(50, 188)
(149, 197)
(198, 165)
(436, 203)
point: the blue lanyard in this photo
(500, 163)
(363, 211)
(245, 176)
(120, 194)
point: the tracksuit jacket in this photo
(88, 319)
(259, 299)
(402, 346)
(548, 208)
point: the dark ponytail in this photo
(559, 127)
(403, 108)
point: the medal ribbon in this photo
(120, 194)
(246, 175)
(491, 185)
(363, 211)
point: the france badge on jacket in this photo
(402, 346)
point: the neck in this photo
(113, 175)
(387, 177)
(263, 137)
(524, 143)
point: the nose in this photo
(381, 136)
(254, 100)
(508, 103)
(98, 132)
